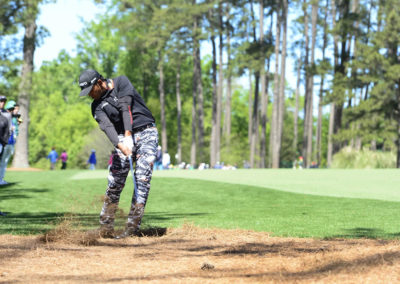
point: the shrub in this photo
(349, 158)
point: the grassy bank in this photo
(36, 201)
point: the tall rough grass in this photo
(349, 158)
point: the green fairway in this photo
(37, 200)
(371, 184)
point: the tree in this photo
(323, 70)
(255, 117)
(281, 110)
(379, 114)
(309, 65)
(274, 148)
(228, 100)
(264, 88)
(214, 113)
(29, 22)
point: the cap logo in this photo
(83, 84)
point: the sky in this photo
(63, 19)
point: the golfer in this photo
(122, 114)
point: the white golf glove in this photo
(128, 142)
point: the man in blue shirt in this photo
(53, 158)
(92, 160)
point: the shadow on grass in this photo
(40, 222)
(395, 235)
(365, 233)
(8, 192)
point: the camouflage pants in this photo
(146, 143)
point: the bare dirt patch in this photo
(194, 255)
(24, 169)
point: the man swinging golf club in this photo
(122, 114)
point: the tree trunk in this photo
(296, 111)
(355, 125)
(250, 123)
(220, 83)
(250, 100)
(197, 107)
(281, 110)
(200, 104)
(398, 125)
(330, 134)
(179, 111)
(164, 141)
(193, 144)
(306, 131)
(254, 128)
(310, 104)
(319, 122)
(333, 104)
(274, 156)
(228, 103)
(214, 129)
(193, 150)
(264, 96)
(341, 69)
(321, 90)
(20, 159)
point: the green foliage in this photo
(349, 158)
(103, 53)
(237, 151)
(58, 117)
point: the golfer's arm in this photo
(125, 103)
(107, 127)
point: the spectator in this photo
(300, 163)
(64, 158)
(166, 160)
(92, 160)
(52, 156)
(16, 119)
(4, 134)
(158, 161)
(8, 150)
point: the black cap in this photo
(3, 98)
(87, 80)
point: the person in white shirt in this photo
(166, 160)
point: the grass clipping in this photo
(66, 232)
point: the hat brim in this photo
(85, 91)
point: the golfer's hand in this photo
(128, 142)
(127, 151)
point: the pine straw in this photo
(194, 255)
(65, 233)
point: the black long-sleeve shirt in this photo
(121, 108)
